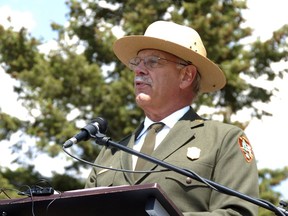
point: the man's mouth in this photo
(141, 81)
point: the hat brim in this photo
(212, 77)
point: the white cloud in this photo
(266, 16)
(45, 48)
(9, 102)
(17, 19)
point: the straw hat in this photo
(178, 40)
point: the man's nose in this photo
(141, 68)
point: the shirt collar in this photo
(169, 121)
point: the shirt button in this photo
(188, 180)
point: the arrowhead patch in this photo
(246, 148)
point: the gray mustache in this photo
(142, 79)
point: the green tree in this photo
(6, 190)
(94, 83)
(269, 179)
(24, 179)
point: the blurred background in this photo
(58, 72)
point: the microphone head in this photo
(102, 124)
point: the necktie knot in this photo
(157, 127)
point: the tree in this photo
(269, 179)
(95, 83)
(24, 179)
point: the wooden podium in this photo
(137, 200)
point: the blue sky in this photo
(44, 12)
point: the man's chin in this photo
(143, 99)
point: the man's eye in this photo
(153, 61)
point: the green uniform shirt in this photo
(213, 150)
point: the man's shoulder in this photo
(222, 125)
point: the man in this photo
(171, 68)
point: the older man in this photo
(171, 68)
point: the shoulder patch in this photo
(246, 148)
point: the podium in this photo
(136, 200)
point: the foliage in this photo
(269, 179)
(22, 179)
(8, 126)
(6, 189)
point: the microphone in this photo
(90, 130)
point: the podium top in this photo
(106, 201)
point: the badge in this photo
(246, 148)
(193, 153)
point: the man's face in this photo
(158, 85)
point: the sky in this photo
(267, 135)
(36, 15)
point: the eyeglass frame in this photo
(148, 64)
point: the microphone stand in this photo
(102, 139)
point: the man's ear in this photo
(188, 74)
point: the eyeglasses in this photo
(152, 62)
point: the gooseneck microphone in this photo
(96, 129)
(99, 124)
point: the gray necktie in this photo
(148, 145)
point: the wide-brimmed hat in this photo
(179, 40)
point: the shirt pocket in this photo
(199, 173)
